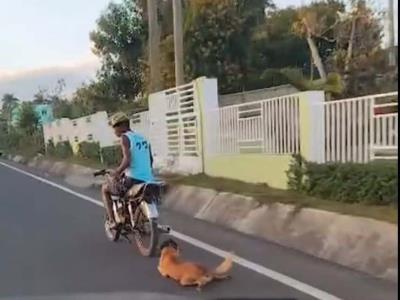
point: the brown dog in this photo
(188, 273)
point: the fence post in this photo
(312, 126)
(207, 99)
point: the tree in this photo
(212, 31)
(62, 107)
(28, 120)
(41, 97)
(94, 96)
(9, 102)
(119, 41)
(167, 62)
(315, 23)
(275, 46)
(153, 46)
(217, 39)
(358, 56)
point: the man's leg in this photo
(106, 196)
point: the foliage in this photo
(318, 20)
(167, 61)
(296, 174)
(315, 24)
(18, 141)
(92, 97)
(89, 150)
(214, 44)
(50, 148)
(63, 109)
(358, 56)
(28, 120)
(280, 48)
(41, 97)
(332, 85)
(9, 102)
(11, 140)
(63, 150)
(119, 42)
(112, 155)
(371, 183)
(245, 44)
(217, 39)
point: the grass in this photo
(267, 195)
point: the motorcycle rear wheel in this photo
(146, 230)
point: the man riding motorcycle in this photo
(135, 167)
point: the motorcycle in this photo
(136, 214)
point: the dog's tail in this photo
(225, 267)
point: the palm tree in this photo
(9, 103)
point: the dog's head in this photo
(170, 243)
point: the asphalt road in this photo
(52, 244)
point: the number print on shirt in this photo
(143, 144)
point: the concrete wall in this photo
(253, 168)
(91, 128)
(265, 167)
(256, 95)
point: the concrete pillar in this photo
(312, 126)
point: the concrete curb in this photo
(363, 244)
(359, 243)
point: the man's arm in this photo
(126, 156)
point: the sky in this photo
(42, 41)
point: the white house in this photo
(91, 128)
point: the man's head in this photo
(120, 123)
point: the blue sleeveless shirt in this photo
(140, 167)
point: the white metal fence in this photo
(140, 122)
(358, 129)
(269, 126)
(181, 116)
(182, 121)
(173, 128)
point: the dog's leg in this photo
(185, 281)
(162, 273)
(222, 277)
(203, 281)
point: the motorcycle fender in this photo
(149, 209)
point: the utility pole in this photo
(392, 54)
(178, 42)
(154, 46)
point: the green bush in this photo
(19, 142)
(12, 140)
(370, 183)
(63, 150)
(112, 155)
(89, 150)
(50, 148)
(295, 174)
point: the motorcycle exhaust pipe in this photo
(164, 228)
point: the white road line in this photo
(286, 280)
